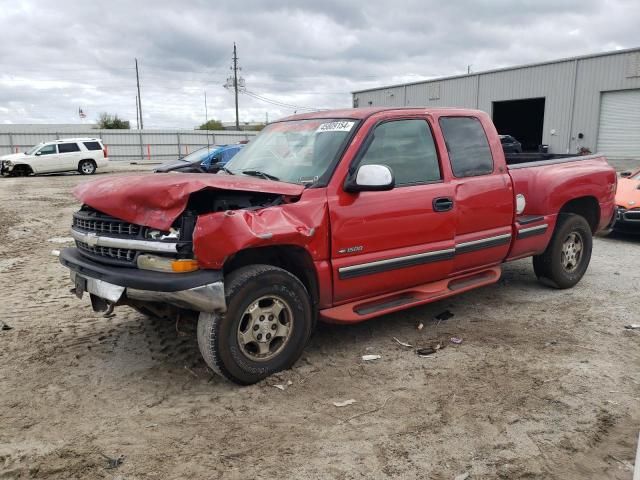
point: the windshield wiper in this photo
(258, 173)
(226, 170)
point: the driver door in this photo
(384, 241)
(45, 159)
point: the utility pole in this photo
(137, 116)
(235, 82)
(468, 69)
(139, 98)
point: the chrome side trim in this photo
(488, 242)
(393, 263)
(114, 242)
(531, 231)
(379, 266)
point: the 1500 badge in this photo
(355, 249)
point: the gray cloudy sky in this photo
(57, 56)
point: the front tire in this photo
(567, 256)
(267, 324)
(87, 167)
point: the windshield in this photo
(300, 151)
(33, 150)
(199, 155)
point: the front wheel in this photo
(265, 329)
(567, 256)
(87, 167)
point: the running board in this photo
(361, 310)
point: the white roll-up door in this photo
(619, 132)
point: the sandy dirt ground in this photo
(545, 384)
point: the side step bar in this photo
(359, 311)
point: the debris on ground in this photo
(345, 403)
(55, 253)
(113, 462)
(60, 240)
(633, 326)
(368, 358)
(456, 340)
(420, 326)
(151, 425)
(404, 344)
(462, 476)
(5, 326)
(430, 350)
(284, 387)
(442, 316)
(551, 343)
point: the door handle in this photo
(442, 204)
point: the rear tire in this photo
(567, 256)
(268, 322)
(87, 167)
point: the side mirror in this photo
(626, 174)
(38, 154)
(370, 178)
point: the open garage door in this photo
(619, 130)
(522, 119)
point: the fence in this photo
(125, 145)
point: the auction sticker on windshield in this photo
(335, 127)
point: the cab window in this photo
(48, 150)
(468, 147)
(407, 147)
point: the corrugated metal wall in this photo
(126, 145)
(572, 90)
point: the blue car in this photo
(204, 160)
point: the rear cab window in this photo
(68, 147)
(468, 147)
(407, 148)
(92, 145)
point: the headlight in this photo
(164, 264)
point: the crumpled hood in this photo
(14, 156)
(157, 200)
(627, 194)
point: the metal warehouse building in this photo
(591, 101)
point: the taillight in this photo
(104, 151)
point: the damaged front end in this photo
(136, 247)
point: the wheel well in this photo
(86, 160)
(23, 167)
(296, 260)
(586, 207)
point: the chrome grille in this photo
(119, 254)
(106, 225)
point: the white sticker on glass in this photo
(336, 127)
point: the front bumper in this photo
(201, 291)
(627, 220)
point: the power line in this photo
(279, 103)
(139, 98)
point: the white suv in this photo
(82, 154)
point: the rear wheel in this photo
(567, 256)
(265, 329)
(87, 167)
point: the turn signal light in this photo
(184, 265)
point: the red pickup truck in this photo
(340, 215)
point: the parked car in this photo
(206, 159)
(628, 203)
(367, 212)
(85, 155)
(510, 144)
